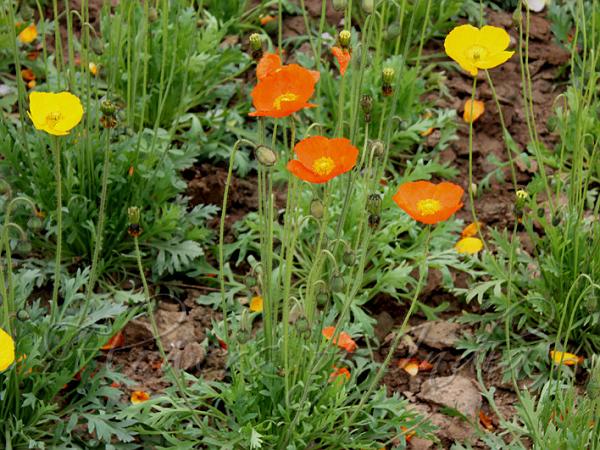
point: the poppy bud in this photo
(374, 204)
(336, 283)
(316, 208)
(556, 220)
(133, 214)
(265, 155)
(393, 31)
(340, 5)
(302, 325)
(98, 46)
(322, 298)
(344, 38)
(541, 212)
(366, 102)
(349, 258)
(256, 46)
(368, 6)
(374, 221)
(377, 148)
(24, 247)
(34, 224)
(22, 315)
(108, 108)
(152, 14)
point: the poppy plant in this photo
(320, 159)
(256, 304)
(339, 373)
(429, 203)
(567, 359)
(343, 57)
(343, 340)
(55, 113)
(28, 34)
(7, 350)
(469, 246)
(139, 397)
(478, 48)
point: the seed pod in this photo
(388, 75)
(265, 155)
(340, 5)
(133, 214)
(374, 204)
(22, 315)
(344, 38)
(374, 221)
(256, 46)
(336, 283)
(317, 209)
(108, 108)
(368, 6)
(366, 103)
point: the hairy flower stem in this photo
(422, 275)
(57, 259)
(177, 378)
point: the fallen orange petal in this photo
(425, 366)
(114, 342)
(412, 368)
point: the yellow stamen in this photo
(288, 97)
(476, 53)
(53, 118)
(323, 166)
(428, 206)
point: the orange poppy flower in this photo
(343, 340)
(343, 57)
(472, 229)
(27, 74)
(429, 203)
(283, 92)
(320, 159)
(339, 373)
(270, 63)
(266, 19)
(139, 397)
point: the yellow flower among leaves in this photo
(469, 245)
(7, 350)
(478, 48)
(256, 304)
(28, 35)
(567, 359)
(55, 113)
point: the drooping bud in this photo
(24, 247)
(322, 298)
(336, 283)
(368, 6)
(340, 5)
(317, 209)
(374, 204)
(4, 187)
(349, 258)
(22, 315)
(378, 148)
(366, 103)
(34, 223)
(344, 39)
(556, 220)
(541, 212)
(152, 14)
(387, 77)
(251, 281)
(256, 46)
(265, 155)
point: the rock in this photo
(455, 392)
(438, 334)
(191, 356)
(174, 327)
(451, 428)
(416, 443)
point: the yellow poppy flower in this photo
(469, 245)
(28, 35)
(93, 68)
(7, 350)
(55, 114)
(256, 304)
(138, 397)
(568, 359)
(478, 48)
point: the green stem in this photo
(57, 259)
